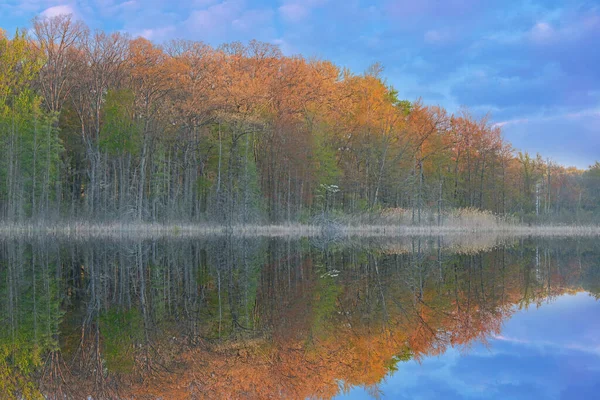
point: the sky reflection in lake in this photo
(548, 352)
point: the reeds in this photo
(467, 218)
(461, 223)
(151, 230)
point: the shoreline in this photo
(154, 230)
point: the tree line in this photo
(101, 126)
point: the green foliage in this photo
(591, 182)
(121, 330)
(326, 170)
(325, 158)
(591, 280)
(28, 135)
(120, 132)
(405, 105)
(19, 64)
(249, 185)
(405, 354)
(30, 327)
(325, 298)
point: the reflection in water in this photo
(550, 352)
(258, 319)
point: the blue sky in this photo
(532, 64)
(551, 352)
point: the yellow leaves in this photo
(19, 64)
(366, 107)
(148, 62)
(18, 360)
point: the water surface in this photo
(403, 318)
(550, 352)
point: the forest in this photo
(100, 126)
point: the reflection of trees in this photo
(255, 319)
(29, 317)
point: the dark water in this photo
(413, 318)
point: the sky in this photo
(551, 352)
(533, 65)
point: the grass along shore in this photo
(389, 222)
(151, 230)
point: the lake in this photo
(404, 318)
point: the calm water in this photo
(412, 318)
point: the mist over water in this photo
(297, 318)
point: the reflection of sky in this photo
(552, 352)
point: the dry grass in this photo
(461, 225)
(467, 218)
(152, 230)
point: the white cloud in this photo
(117, 8)
(58, 10)
(156, 34)
(433, 37)
(571, 29)
(285, 47)
(298, 10)
(203, 3)
(249, 20)
(592, 112)
(230, 20)
(542, 32)
(216, 17)
(293, 12)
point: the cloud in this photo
(594, 112)
(494, 88)
(203, 3)
(293, 12)
(437, 37)
(156, 34)
(216, 17)
(547, 68)
(250, 20)
(285, 47)
(542, 32)
(296, 11)
(112, 8)
(432, 8)
(58, 10)
(567, 140)
(230, 20)
(533, 358)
